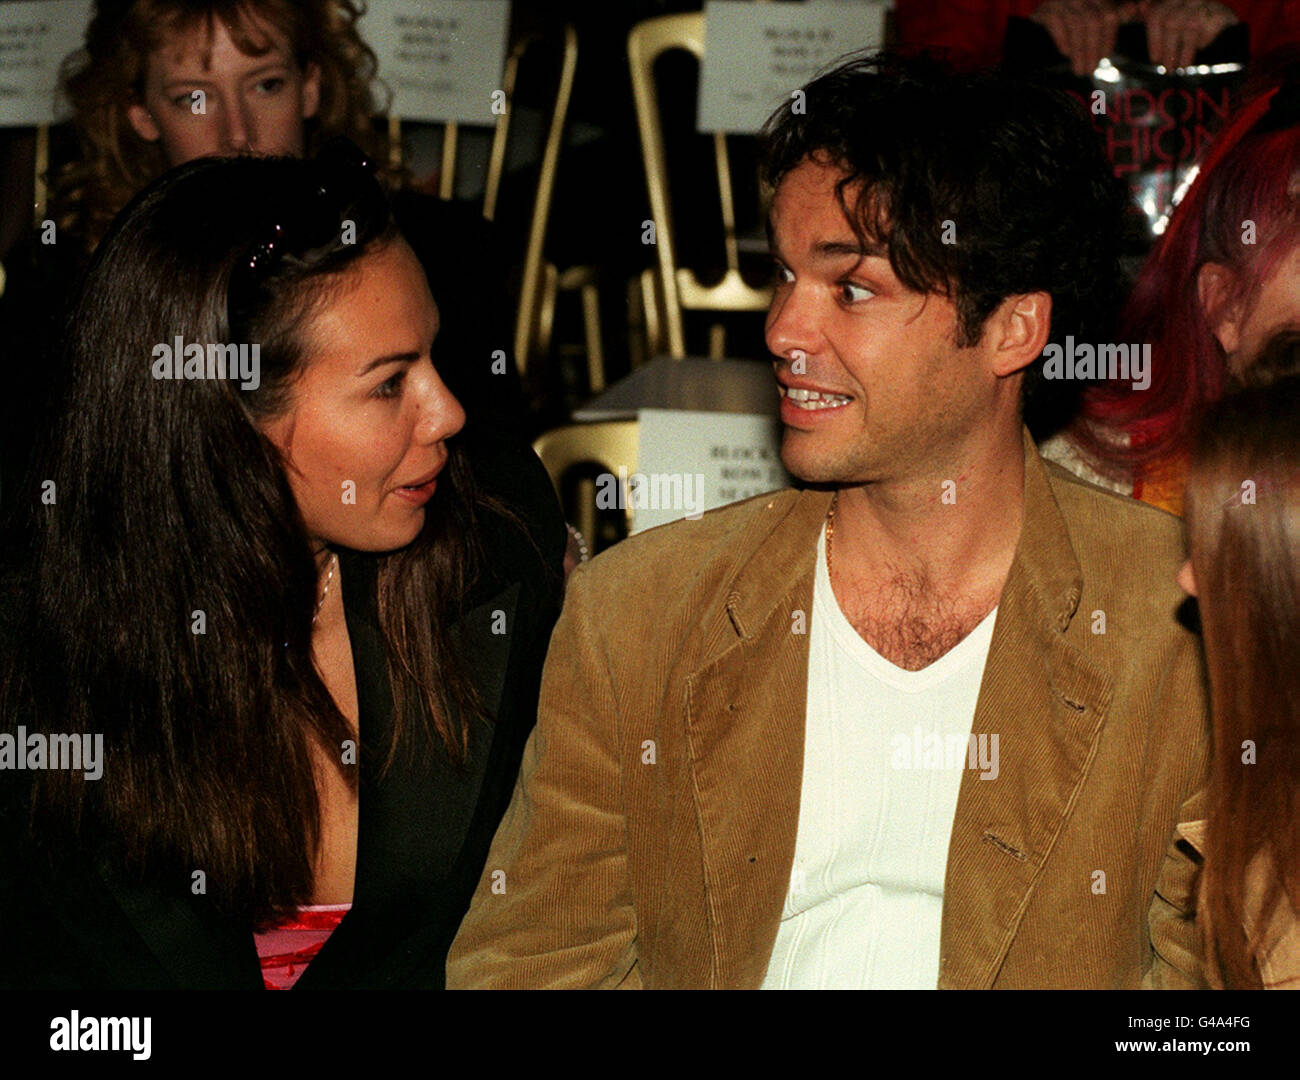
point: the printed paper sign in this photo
(756, 55)
(689, 462)
(441, 58)
(35, 38)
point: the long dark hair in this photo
(168, 500)
(1244, 543)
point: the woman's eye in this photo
(391, 387)
(186, 101)
(273, 85)
(852, 294)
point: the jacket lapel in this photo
(193, 944)
(745, 724)
(1045, 702)
(746, 709)
(412, 822)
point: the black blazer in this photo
(424, 829)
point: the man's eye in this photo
(272, 85)
(782, 274)
(390, 387)
(185, 101)
(852, 294)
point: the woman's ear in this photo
(1020, 327)
(310, 91)
(143, 123)
(1215, 287)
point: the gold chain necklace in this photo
(326, 591)
(830, 532)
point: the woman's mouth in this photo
(421, 491)
(418, 493)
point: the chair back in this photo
(610, 445)
(529, 337)
(677, 287)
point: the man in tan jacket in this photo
(929, 721)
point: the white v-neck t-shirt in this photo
(884, 750)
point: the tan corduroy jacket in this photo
(651, 836)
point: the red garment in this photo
(974, 29)
(287, 948)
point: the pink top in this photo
(287, 948)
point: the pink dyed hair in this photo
(1247, 175)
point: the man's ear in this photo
(1215, 286)
(143, 123)
(1018, 330)
(310, 91)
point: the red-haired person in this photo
(1243, 518)
(1220, 281)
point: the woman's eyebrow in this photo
(392, 358)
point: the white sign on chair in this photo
(441, 58)
(757, 55)
(35, 38)
(689, 462)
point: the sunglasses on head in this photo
(340, 195)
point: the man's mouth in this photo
(812, 400)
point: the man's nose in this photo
(791, 323)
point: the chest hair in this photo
(907, 621)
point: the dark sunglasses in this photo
(340, 192)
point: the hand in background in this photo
(1178, 29)
(1083, 30)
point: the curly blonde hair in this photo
(106, 76)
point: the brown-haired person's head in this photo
(1243, 518)
(249, 384)
(161, 82)
(933, 233)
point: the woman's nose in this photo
(238, 126)
(441, 415)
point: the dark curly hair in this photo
(1013, 165)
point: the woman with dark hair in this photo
(267, 585)
(1243, 519)
(162, 82)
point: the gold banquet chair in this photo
(669, 289)
(608, 444)
(535, 314)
